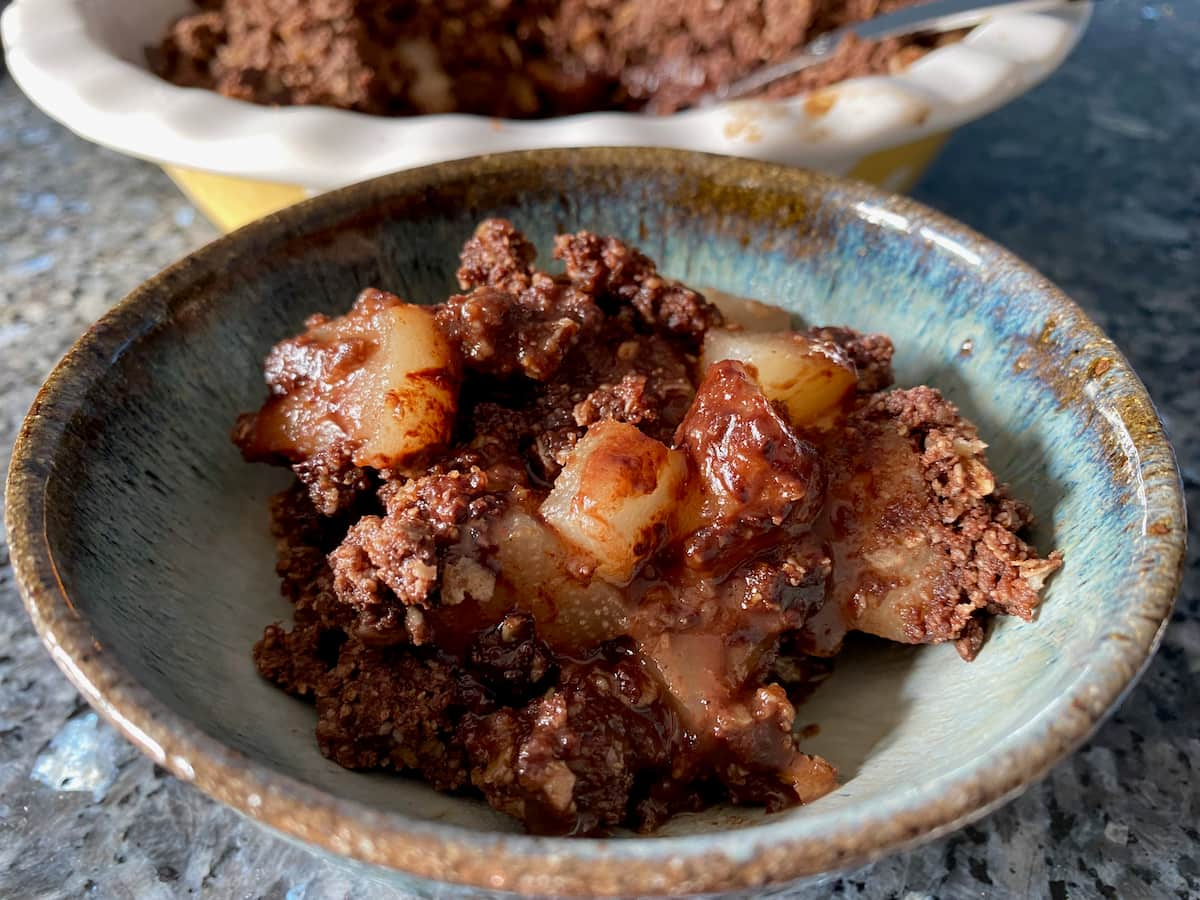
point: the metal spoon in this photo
(932, 17)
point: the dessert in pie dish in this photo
(520, 59)
(580, 543)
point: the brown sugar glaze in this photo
(580, 543)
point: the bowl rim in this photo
(757, 855)
(121, 105)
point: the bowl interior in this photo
(158, 529)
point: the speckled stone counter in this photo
(1094, 178)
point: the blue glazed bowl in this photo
(140, 543)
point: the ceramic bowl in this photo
(83, 62)
(139, 536)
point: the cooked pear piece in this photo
(810, 378)
(890, 574)
(380, 384)
(539, 573)
(615, 497)
(752, 315)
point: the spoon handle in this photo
(935, 16)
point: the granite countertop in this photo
(1094, 178)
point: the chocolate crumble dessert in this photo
(512, 58)
(580, 543)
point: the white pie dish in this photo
(83, 62)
